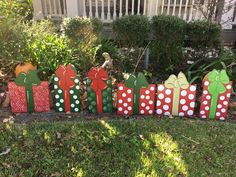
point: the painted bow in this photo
(176, 83)
(216, 87)
(136, 83)
(66, 77)
(98, 76)
(28, 80)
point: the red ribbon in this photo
(98, 76)
(66, 77)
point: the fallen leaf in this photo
(141, 137)
(5, 152)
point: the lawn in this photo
(146, 147)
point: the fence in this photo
(222, 11)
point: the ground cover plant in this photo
(146, 147)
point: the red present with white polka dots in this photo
(146, 100)
(186, 102)
(222, 105)
(125, 97)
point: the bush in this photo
(84, 37)
(131, 31)
(78, 29)
(20, 9)
(226, 60)
(204, 34)
(166, 50)
(48, 51)
(12, 44)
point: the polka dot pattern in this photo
(106, 98)
(188, 98)
(165, 101)
(125, 100)
(146, 101)
(73, 96)
(223, 102)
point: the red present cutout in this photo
(146, 101)
(222, 105)
(18, 97)
(177, 101)
(41, 97)
(125, 97)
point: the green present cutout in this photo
(99, 88)
(66, 92)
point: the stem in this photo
(99, 101)
(140, 57)
(67, 100)
(30, 98)
(214, 102)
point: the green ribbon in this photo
(28, 80)
(136, 83)
(216, 87)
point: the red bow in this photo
(66, 77)
(98, 76)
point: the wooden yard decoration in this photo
(216, 94)
(135, 96)
(99, 88)
(28, 93)
(176, 97)
(66, 88)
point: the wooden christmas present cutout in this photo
(215, 96)
(29, 94)
(66, 88)
(176, 97)
(99, 88)
(135, 96)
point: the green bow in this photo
(216, 87)
(28, 80)
(136, 83)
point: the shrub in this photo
(48, 51)
(131, 31)
(84, 37)
(204, 34)
(20, 9)
(166, 50)
(79, 29)
(226, 60)
(12, 44)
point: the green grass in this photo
(151, 147)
